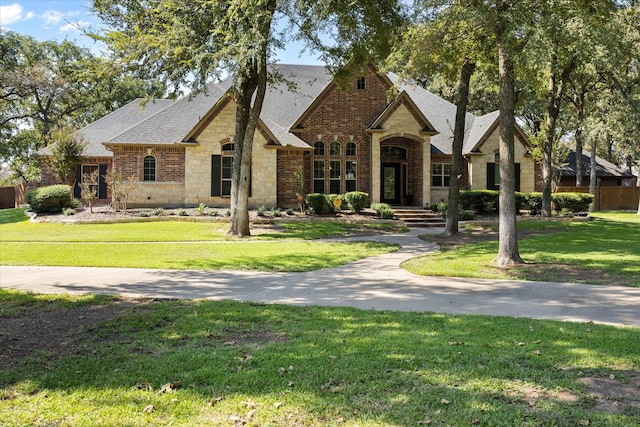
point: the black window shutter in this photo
(102, 182)
(216, 175)
(491, 176)
(76, 186)
(517, 176)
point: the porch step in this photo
(417, 217)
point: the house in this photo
(398, 151)
(607, 173)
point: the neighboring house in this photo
(608, 174)
(398, 151)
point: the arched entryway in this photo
(401, 171)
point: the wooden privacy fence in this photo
(12, 197)
(610, 198)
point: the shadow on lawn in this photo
(330, 364)
(11, 216)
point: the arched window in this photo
(318, 149)
(351, 149)
(149, 168)
(334, 149)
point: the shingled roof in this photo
(296, 87)
(603, 167)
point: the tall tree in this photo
(188, 43)
(44, 85)
(448, 45)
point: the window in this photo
(318, 176)
(222, 172)
(318, 149)
(440, 174)
(351, 149)
(361, 83)
(393, 153)
(496, 174)
(334, 149)
(334, 176)
(149, 168)
(350, 176)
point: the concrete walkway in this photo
(374, 283)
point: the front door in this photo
(391, 180)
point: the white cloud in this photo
(74, 26)
(29, 15)
(52, 17)
(10, 14)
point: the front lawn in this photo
(603, 251)
(183, 363)
(179, 245)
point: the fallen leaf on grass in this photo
(444, 401)
(148, 409)
(169, 387)
(144, 386)
(214, 401)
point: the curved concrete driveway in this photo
(373, 283)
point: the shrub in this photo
(29, 195)
(69, 211)
(201, 208)
(182, 212)
(276, 212)
(227, 212)
(158, 211)
(260, 211)
(213, 213)
(533, 202)
(357, 200)
(573, 202)
(383, 210)
(143, 214)
(442, 208)
(51, 199)
(289, 211)
(479, 200)
(317, 202)
(465, 215)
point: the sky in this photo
(65, 19)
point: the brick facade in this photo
(343, 115)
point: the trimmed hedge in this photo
(51, 199)
(573, 202)
(357, 200)
(479, 200)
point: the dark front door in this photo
(391, 180)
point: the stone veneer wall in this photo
(402, 124)
(478, 164)
(197, 188)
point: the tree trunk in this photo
(554, 98)
(451, 225)
(593, 176)
(508, 253)
(251, 79)
(578, 100)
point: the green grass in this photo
(603, 251)
(272, 365)
(177, 245)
